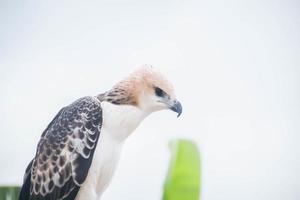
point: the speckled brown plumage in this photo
(64, 152)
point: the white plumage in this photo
(119, 122)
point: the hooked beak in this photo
(176, 107)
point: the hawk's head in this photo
(145, 88)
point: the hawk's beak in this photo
(176, 107)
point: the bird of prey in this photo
(78, 151)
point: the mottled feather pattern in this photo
(118, 96)
(65, 150)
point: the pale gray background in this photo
(234, 64)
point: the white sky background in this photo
(235, 66)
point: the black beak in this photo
(176, 107)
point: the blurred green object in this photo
(9, 192)
(183, 179)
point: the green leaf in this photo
(183, 179)
(9, 192)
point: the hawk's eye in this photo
(159, 92)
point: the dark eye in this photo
(159, 92)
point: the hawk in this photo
(78, 151)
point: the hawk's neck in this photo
(121, 120)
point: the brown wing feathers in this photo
(64, 153)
